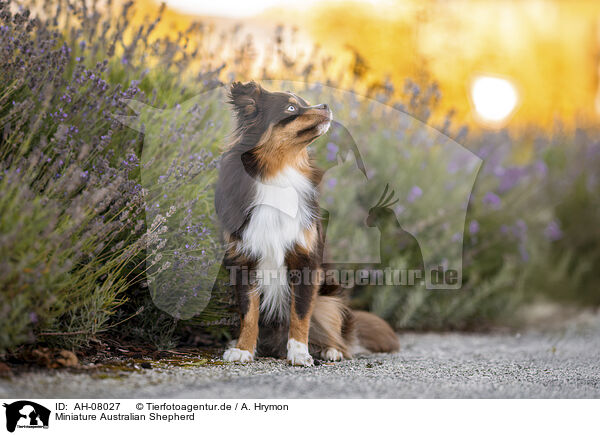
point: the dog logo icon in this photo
(26, 414)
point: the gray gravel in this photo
(560, 364)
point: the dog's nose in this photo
(323, 106)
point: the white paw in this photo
(234, 354)
(297, 354)
(332, 354)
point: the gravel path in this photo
(560, 364)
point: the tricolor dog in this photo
(268, 203)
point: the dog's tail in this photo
(360, 330)
(373, 333)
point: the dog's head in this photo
(276, 126)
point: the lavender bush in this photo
(73, 231)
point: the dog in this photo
(266, 198)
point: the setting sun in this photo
(494, 99)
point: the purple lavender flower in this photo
(520, 229)
(510, 177)
(541, 168)
(414, 194)
(332, 150)
(399, 209)
(492, 200)
(474, 227)
(523, 252)
(553, 231)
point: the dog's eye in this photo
(291, 108)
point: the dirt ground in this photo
(562, 363)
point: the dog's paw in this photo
(234, 354)
(297, 354)
(332, 354)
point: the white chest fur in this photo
(280, 215)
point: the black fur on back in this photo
(234, 192)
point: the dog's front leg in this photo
(249, 305)
(246, 344)
(303, 292)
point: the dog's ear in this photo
(244, 98)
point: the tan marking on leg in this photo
(299, 327)
(249, 325)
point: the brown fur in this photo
(249, 325)
(279, 146)
(329, 326)
(299, 325)
(374, 333)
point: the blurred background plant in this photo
(76, 247)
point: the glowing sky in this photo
(233, 8)
(249, 8)
(537, 57)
